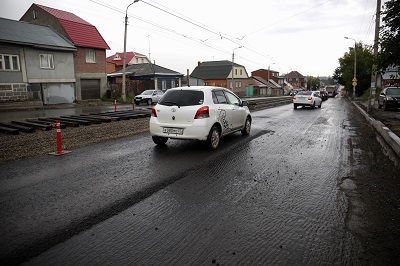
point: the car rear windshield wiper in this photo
(171, 103)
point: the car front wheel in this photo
(159, 140)
(213, 138)
(247, 126)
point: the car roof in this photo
(198, 88)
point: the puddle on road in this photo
(348, 184)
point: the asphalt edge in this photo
(392, 139)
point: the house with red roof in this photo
(90, 57)
(115, 62)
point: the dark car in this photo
(323, 94)
(389, 98)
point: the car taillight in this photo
(153, 111)
(294, 97)
(203, 112)
(310, 98)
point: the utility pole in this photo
(371, 100)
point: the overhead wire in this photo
(235, 40)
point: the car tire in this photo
(385, 107)
(319, 106)
(379, 106)
(294, 106)
(159, 140)
(149, 102)
(313, 105)
(247, 127)
(213, 138)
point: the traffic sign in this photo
(354, 79)
(354, 83)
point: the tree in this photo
(389, 53)
(313, 83)
(344, 74)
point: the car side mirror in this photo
(244, 103)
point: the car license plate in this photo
(172, 130)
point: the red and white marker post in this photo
(59, 151)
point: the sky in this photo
(287, 35)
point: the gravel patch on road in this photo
(26, 145)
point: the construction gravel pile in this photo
(26, 145)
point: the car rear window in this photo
(304, 93)
(182, 98)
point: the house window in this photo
(173, 84)
(9, 62)
(46, 61)
(163, 85)
(34, 14)
(90, 56)
(241, 72)
(236, 72)
(238, 84)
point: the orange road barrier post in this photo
(59, 151)
(133, 104)
(115, 105)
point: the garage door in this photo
(90, 89)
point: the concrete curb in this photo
(392, 139)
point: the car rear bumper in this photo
(199, 130)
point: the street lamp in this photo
(355, 66)
(124, 58)
(233, 58)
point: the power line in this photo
(273, 24)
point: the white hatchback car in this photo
(199, 112)
(307, 98)
(149, 97)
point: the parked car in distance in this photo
(307, 98)
(389, 98)
(149, 97)
(202, 113)
(324, 94)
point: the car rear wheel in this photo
(213, 138)
(149, 102)
(313, 105)
(319, 106)
(294, 106)
(247, 126)
(159, 140)
(385, 107)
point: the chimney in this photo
(198, 63)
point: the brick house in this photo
(219, 73)
(90, 57)
(115, 62)
(296, 79)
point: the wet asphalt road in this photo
(276, 197)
